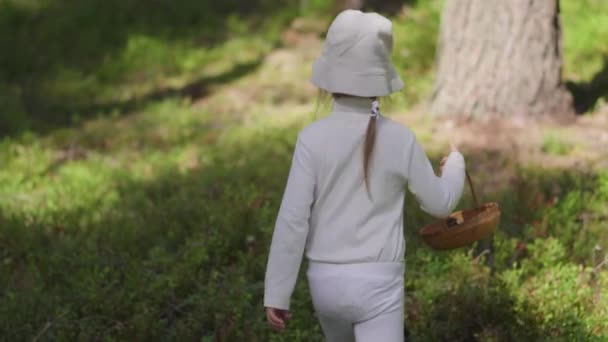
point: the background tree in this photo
(500, 57)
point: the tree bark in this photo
(498, 57)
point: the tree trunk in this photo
(498, 57)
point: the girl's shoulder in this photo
(394, 126)
(317, 127)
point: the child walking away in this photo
(343, 203)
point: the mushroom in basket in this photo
(463, 227)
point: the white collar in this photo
(351, 104)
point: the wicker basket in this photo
(463, 227)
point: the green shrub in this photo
(561, 297)
(553, 144)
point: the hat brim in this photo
(337, 79)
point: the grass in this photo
(143, 207)
(553, 144)
(586, 57)
(583, 23)
(124, 52)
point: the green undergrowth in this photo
(73, 61)
(553, 144)
(584, 52)
(157, 226)
(546, 281)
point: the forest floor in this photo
(497, 146)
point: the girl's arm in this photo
(290, 232)
(437, 195)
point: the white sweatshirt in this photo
(326, 210)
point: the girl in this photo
(343, 203)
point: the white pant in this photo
(358, 302)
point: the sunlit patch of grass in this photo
(414, 55)
(115, 60)
(149, 64)
(554, 144)
(584, 26)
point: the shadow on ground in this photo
(41, 40)
(587, 94)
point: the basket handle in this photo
(472, 188)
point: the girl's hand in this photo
(453, 148)
(277, 318)
(441, 164)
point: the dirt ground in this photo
(495, 148)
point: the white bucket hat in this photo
(356, 57)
